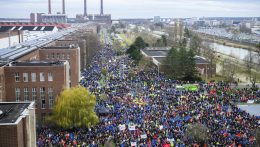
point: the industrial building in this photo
(50, 17)
(38, 81)
(98, 18)
(17, 124)
(38, 70)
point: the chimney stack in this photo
(101, 9)
(85, 8)
(63, 7)
(49, 3)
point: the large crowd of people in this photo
(148, 110)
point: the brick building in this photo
(17, 125)
(69, 53)
(36, 81)
(74, 41)
(39, 70)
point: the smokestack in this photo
(101, 9)
(85, 8)
(63, 7)
(49, 3)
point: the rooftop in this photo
(156, 53)
(198, 60)
(10, 112)
(29, 28)
(36, 63)
(60, 47)
(15, 52)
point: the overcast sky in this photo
(136, 8)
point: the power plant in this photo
(85, 8)
(99, 18)
(49, 6)
(101, 8)
(61, 17)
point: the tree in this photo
(230, 69)
(134, 50)
(162, 42)
(117, 45)
(249, 66)
(190, 71)
(198, 133)
(92, 43)
(180, 30)
(258, 56)
(140, 43)
(187, 33)
(175, 31)
(209, 53)
(257, 137)
(195, 44)
(74, 108)
(181, 64)
(172, 60)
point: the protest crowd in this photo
(149, 110)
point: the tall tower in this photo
(85, 8)
(101, 8)
(63, 7)
(49, 6)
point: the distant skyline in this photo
(136, 8)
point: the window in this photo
(62, 56)
(42, 77)
(58, 56)
(25, 77)
(52, 55)
(47, 56)
(68, 56)
(42, 96)
(33, 75)
(50, 76)
(17, 77)
(51, 98)
(26, 94)
(34, 94)
(17, 94)
(43, 117)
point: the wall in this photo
(2, 85)
(74, 61)
(12, 135)
(58, 84)
(30, 56)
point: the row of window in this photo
(34, 95)
(33, 77)
(57, 56)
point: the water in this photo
(238, 53)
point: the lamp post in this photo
(206, 73)
(158, 69)
(9, 38)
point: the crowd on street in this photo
(146, 109)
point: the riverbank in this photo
(226, 42)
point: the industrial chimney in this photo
(85, 8)
(63, 7)
(101, 9)
(49, 3)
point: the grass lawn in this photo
(128, 40)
